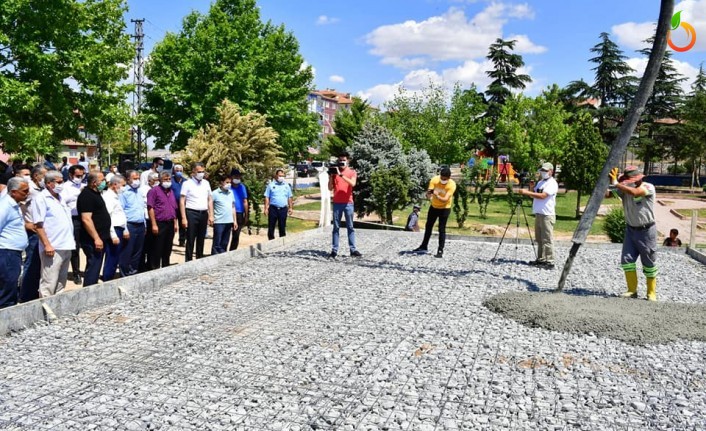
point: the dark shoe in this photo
(439, 254)
(548, 265)
(356, 254)
(536, 263)
(420, 250)
(332, 255)
(77, 279)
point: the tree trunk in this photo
(643, 93)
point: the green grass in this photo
(307, 191)
(294, 225)
(701, 213)
(311, 206)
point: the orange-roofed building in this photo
(326, 103)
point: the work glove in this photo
(613, 176)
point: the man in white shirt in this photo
(157, 167)
(196, 206)
(32, 268)
(52, 220)
(119, 233)
(543, 207)
(111, 172)
(69, 194)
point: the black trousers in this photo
(75, 262)
(144, 264)
(182, 231)
(161, 249)
(235, 239)
(442, 214)
(277, 216)
(195, 233)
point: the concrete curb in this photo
(696, 255)
(72, 302)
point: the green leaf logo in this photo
(676, 20)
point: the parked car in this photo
(319, 166)
(305, 169)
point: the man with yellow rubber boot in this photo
(641, 233)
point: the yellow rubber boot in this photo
(652, 289)
(631, 280)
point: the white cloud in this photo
(631, 35)
(450, 36)
(685, 69)
(326, 20)
(336, 78)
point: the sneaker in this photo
(356, 254)
(420, 250)
(332, 255)
(536, 262)
(439, 254)
(77, 279)
(548, 265)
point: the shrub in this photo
(614, 225)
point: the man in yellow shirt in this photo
(440, 191)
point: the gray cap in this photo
(547, 167)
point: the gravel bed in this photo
(395, 340)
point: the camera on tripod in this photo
(333, 167)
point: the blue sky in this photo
(371, 48)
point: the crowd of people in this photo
(123, 223)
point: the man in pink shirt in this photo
(341, 184)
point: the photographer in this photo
(543, 207)
(441, 192)
(341, 181)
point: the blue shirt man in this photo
(13, 239)
(133, 204)
(278, 204)
(240, 193)
(223, 216)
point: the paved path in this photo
(391, 341)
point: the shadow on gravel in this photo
(633, 321)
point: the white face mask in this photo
(225, 187)
(199, 175)
(167, 184)
(236, 182)
(280, 179)
(42, 184)
(27, 178)
(160, 168)
(77, 181)
(58, 188)
(135, 184)
(544, 175)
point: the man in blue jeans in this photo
(341, 184)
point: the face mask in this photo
(58, 188)
(160, 168)
(199, 175)
(135, 184)
(236, 182)
(27, 178)
(121, 190)
(544, 175)
(280, 179)
(167, 184)
(225, 187)
(102, 186)
(444, 182)
(179, 174)
(42, 184)
(77, 181)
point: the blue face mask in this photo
(179, 175)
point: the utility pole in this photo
(137, 140)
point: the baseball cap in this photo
(547, 167)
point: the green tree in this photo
(228, 54)
(532, 130)
(427, 121)
(504, 79)
(693, 131)
(583, 159)
(376, 148)
(614, 86)
(235, 140)
(62, 64)
(664, 103)
(699, 85)
(389, 190)
(346, 126)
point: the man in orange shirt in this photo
(341, 184)
(440, 191)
